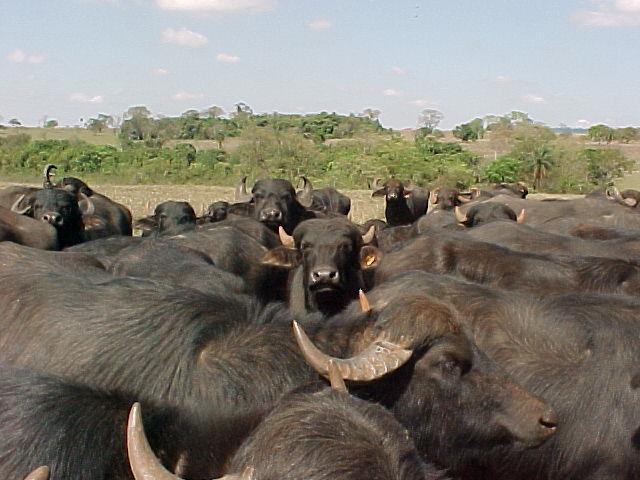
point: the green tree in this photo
(601, 133)
(503, 169)
(138, 124)
(626, 134)
(52, 123)
(430, 119)
(215, 111)
(14, 122)
(538, 162)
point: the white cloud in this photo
(187, 96)
(611, 13)
(399, 71)
(184, 37)
(530, 98)
(390, 92)
(217, 5)
(226, 58)
(420, 102)
(160, 72)
(19, 56)
(83, 98)
(319, 24)
(628, 5)
(582, 121)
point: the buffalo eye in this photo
(258, 195)
(304, 246)
(454, 367)
(286, 196)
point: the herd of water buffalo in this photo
(498, 336)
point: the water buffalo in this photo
(326, 200)
(169, 218)
(275, 203)
(576, 351)
(226, 356)
(327, 257)
(311, 434)
(399, 209)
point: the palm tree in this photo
(538, 162)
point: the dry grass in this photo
(109, 136)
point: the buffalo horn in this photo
(521, 216)
(335, 378)
(460, 217)
(463, 199)
(368, 237)
(285, 238)
(87, 207)
(433, 199)
(365, 306)
(19, 211)
(46, 174)
(306, 197)
(375, 361)
(376, 183)
(40, 473)
(144, 464)
(241, 194)
(617, 196)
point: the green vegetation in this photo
(347, 151)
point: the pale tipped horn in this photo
(375, 361)
(46, 175)
(460, 217)
(368, 237)
(240, 193)
(87, 207)
(306, 197)
(286, 239)
(144, 464)
(16, 209)
(365, 306)
(433, 200)
(521, 216)
(463, 199)
(40, 473)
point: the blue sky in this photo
(570, 61)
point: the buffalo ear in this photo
(282, 257)
(369, 257)
(381, 192)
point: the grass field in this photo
(108, 137)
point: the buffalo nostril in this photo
(548, 421)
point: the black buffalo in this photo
(327, 257)
(402, 204)
(169, 218)
(275, 203)
(312, 434)
(58, 208)
(326, 200)
(576, 351)
(108, 218)
(225, 356)
(481, 213)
